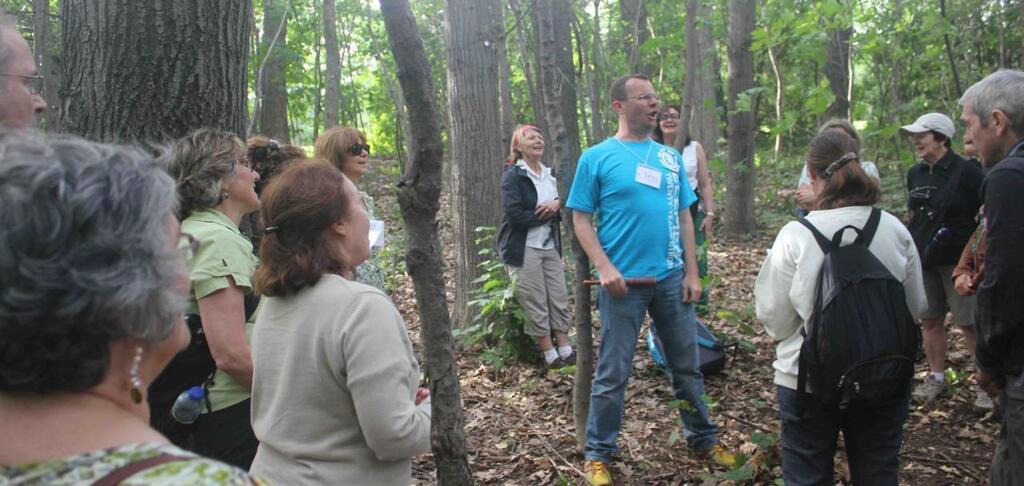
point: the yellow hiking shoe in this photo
(721, 457)
(598, 473)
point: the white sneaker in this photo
(982, 401)
(929, 390)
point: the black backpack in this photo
(861, 342)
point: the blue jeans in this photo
(872, 435)
(676, 325)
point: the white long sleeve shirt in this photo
(785, 287)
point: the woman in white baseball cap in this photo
(943, 198)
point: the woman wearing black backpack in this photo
(786, 294)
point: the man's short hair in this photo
(618, 91)
(1002, 90)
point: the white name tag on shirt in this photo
(648, 176)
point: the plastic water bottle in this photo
(189, 405)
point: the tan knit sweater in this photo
(334, 384)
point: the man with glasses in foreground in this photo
(634, 187)
(20, 100)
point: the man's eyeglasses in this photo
(34, 82)
(188, 245)
(645, 98)
(669, 116)
(357, 148)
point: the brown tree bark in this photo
(419, 197)
(472, 32)
(739, 197)
(559, 85)
(153, 70)
(332, 72)
(273, 121)
(634, 18)
(47, 59)
(837, 70)
(700, 120)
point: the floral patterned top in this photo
(87, 468)
(371, 272)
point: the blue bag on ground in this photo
(710, 349)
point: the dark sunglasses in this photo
(357, 148)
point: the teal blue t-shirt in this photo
(638, 224)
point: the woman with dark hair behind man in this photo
(699, 177)
(335, 385)
(786, 292)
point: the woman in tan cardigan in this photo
(335, 388)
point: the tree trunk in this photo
(472, 32)
(557, 75)
(419, 198)
(595, 86)
(175, 66)
(318, 80)
(273, 121)
(332, 74)
(700, 118)
(47, 59)
(536, 98)
(949, 48)
(837, 68)
(634, 18)
(508, 120)
(740, 194)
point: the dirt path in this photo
(519, 419)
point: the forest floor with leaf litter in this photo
(518, 419)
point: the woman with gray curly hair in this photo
(216, 187)
(92, 289)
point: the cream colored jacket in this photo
(785, 287)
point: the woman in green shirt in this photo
(216, 187)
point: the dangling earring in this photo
(223, 195)
(133, 374)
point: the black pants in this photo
(226, 435)
(872, 435)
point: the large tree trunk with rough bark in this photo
(419, 198)
(153, 70)
(739, 198)
(332, 73)
(473, 30)
(699, 118)
(47, 59)
(273, 113)
(559, 85)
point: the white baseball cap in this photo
(936, 122)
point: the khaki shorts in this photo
(938, 289)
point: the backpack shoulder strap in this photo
(868, 232)
(115, 477)
(823, 243)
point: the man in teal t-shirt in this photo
(633, 187)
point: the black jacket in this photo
(519, 201)
(1001, 293)
(924, 181)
